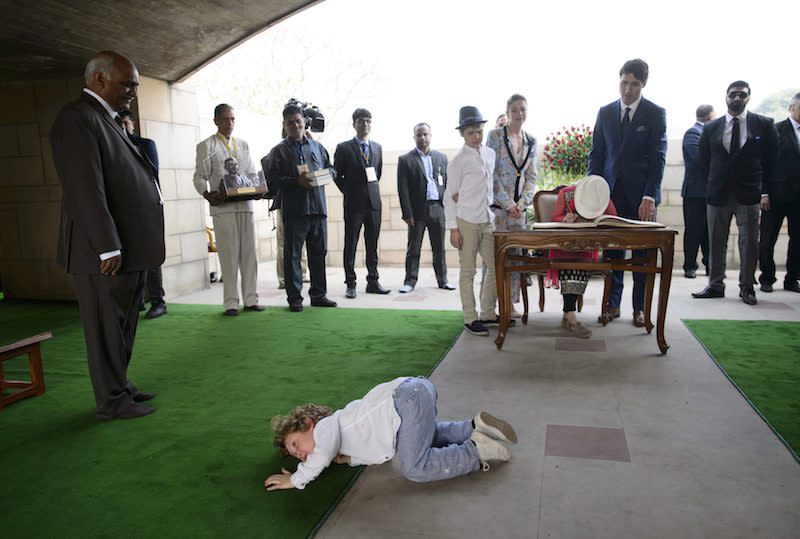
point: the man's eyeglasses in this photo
(740, 95)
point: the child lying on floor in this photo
(394, 419)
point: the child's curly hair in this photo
(294, 421)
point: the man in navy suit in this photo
(359, 163)
(629, 146)
(155, 279)
(738, 152)
(695, 233)
(784, 201)
(421, 181)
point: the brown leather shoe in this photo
(638, 319)
(608, 315)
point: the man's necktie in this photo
(118, 119)
(735, 137)
(626, 120)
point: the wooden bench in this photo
(32, 347)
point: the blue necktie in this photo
(365, 149)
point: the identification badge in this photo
(439, 179)
(371, 176)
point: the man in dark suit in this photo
(629, 146)
(112, 226)
(421, 180)
(738, 153)
(695, 233)
(292, 165)
(154, 280)
(359, 163)
(784, 201)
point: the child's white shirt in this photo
(470, 174)
(365, 430)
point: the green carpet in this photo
(762, 359)
(196, 467)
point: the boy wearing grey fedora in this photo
(467, 198)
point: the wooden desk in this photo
(654, 240)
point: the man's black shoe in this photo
(690, 274)
(322, 302)
(231, 312)
(142, 307)
(156, 310)
(791, 286)
(765, 287)
(296, 305)
(132, 411)
(496, 322)
(708, 292)
(748, 295)
(141, 396)
(376, 288)
(351, 292)
(256, 308)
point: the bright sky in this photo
(413, 60)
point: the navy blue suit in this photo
(633, 165)
(693, 191)
(154, 279)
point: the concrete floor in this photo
(665, 446)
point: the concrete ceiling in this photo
(166, 39)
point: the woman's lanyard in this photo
(518, 168)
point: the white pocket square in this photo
(641, 128)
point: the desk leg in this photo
(503, 297)
(667, 252)
(652, 262)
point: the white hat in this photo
(591, 196)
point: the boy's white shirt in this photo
(365, 430)
(470, 174)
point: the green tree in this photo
(776, 104)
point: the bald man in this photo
(112, 226)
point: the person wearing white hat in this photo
(581, 201)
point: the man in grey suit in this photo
(421, 180)
(693, 192)
(738, 152)
(112, 226)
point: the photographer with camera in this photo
(297, 166)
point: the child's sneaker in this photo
(495, 428)
(477, 328)
(489, 449)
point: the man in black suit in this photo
(112, 226)
(359, 163)
(421, 180)
(784, 201)
(738, 153)
(695, 234)
(629, 147)
(154, 280)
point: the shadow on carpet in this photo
(762, 359)
(196, 467)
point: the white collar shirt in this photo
(111, 112)
(633, 106)
(795, 128)
(728, 132)
(365, 430)
(470, 175)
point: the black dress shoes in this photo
(254, 308)
(791, 286)
(690, 274)
(231, 312)
(156, 310)
(748, 295)
(141, 396)
(322, 302)
(296, 305)
(132, 411)
(447, 286)
(376, 288)
(765, 287)
(351, 292)
(708, 292)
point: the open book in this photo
(612, 221)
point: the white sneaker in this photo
(405, 289)
(489, 449)
(495, 428)
(515, 313)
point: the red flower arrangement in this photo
(566, 155)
